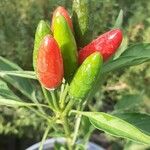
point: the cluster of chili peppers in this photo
(56, 55)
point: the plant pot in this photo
(48, 145)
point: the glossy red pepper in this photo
(106, 44)
(62, 11)
(49, 63)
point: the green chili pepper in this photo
(82, 21)
(42, 30)
(65, 39)
(86, 76)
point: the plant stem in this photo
(39, 114)
(61, 91)
(77, 125)
(69, 106)
(49, 119)
(44, 137)
(39, 107)
(54, 100)
(22, 104)
(48, 99)
(63, 96)
(67, 132)
(66, 126)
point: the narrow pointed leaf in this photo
(133, 55)
(23, 74)
(14, 103)
(25, 86)
(128, 102)
(140, 120)
(119, 20)
(122, 47)
(5, 92)
(116, 127)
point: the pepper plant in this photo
(70, 68)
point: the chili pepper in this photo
(86, 76)
(62, 11)
(65, 39)
(42, 30)
(106, 44)
(82, 21)
(49, 63)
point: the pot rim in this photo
(51, 141)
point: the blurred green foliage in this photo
(18, 21)
(18, 122)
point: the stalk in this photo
(48, 99)
(54, 101)
(69, 106)
(67, 132)
(44, 137)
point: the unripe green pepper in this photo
(42, 30)
(82, 21)
(86, 76)
(65, 39)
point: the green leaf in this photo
(56, 134)
(86, 130)
(141, 121)
(25, 86)
(135, 146)
(116, 126)
(133, 55)
(14, 103)
(19, 103)
(5, 92)
(23, 74)
(59, 146)
(80, 146)
(86, 125)
(7, 65)
(122, 47)
(128, 102)
(119, 20)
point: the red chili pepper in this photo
(49, 63)
(62, 11)
(106, 44)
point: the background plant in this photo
(20, 49)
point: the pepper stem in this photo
(52, 92)
(44, 137)
(69, 106)
(48, 99)
(67, 132)
(63, 96)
